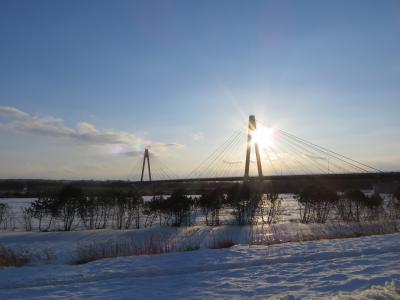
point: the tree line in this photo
(318, 204)
(70, 207)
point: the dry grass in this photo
(221, 244)
(272, 235)
(8, 258)
(89, 252)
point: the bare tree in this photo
(27, 216)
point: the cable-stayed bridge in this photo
(263, 154)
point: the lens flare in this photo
(264, 137)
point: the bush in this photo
(179, 206)
(394, 205)
(156, 208)
(7, 219)
(316, 204)
(352, 206)
(95, 211)
(126, 209)
(174, 210)
(65, 205)
(90, 212)
(211, 202)
(27, 216)
(271, 208)
(42, 210)
(245, 201)
(375, 207)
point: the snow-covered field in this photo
(359, 267)
(273, 261)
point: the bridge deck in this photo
(366, 176)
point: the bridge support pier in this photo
(251, 130)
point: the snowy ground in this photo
(268, 262)
(317, 269)
(66, 247)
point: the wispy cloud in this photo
(84, 132)
(22, 121)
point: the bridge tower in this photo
(251, 130)
(146, 157)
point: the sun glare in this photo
(264, 137)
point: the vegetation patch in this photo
(222, 243)
(8, 258)
(155, 244)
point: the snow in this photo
(268, 261)
(391, 290)
(342, 268)
(64, 247)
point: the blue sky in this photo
(81, 81)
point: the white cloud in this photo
(12, 113)
(20, 121)
(84, 127)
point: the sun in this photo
(264, 137)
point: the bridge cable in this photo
(210, 165)
(326, 151)
(210, 156)
(303, 146)
(227, 166)
(220, 170)
(313, 162)
(344, 158)
(302, 166)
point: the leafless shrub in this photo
(270, 208)
(393, 205)
(244, 200)
(126, 209)
(41, 211)
(27, 216)
(7, 217)
(3, 212)
(211, 202)
(316, 203)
